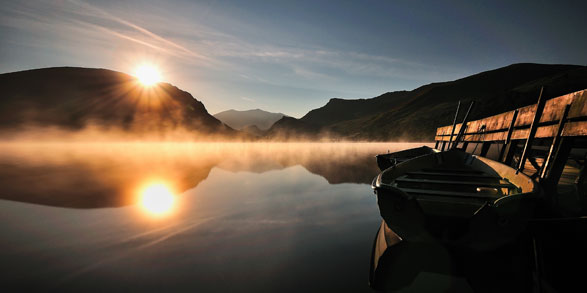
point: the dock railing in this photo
(557, 122)
(495, 128)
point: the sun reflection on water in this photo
(157, 199)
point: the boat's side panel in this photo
(403, 215)
(384, 239)
(519, 179)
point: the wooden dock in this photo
(547, 140)
(496, 128)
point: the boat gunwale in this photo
(519, 180)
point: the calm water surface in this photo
(189, 217)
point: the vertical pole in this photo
(463, 126)
(560, 159)
(485, 148)
(443, 142)
(509, 147)
(454, 123)
(537, 265)
(556, 170)
(556, 160)
(533, 128)
(436, 144)
(555, 142)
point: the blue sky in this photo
(292, 56)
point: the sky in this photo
(292, 56)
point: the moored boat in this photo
(385, 161)
(455, 198)
(451, 199)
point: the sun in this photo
(147, 75)
(157, 199)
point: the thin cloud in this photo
(109, 16)
(309, 74)
(127, 37)
(208, 57)
(222, 50)
(86, 23)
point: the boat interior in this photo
(457, 175)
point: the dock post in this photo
(454, 124)
(507, 146)
(555, 142)
(533, 128)
(510, 150)
(442, 142)
(485, 148)
(556, 160)
(559, 161)
(463, 127)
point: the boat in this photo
(385, 161)
(432, 267)
(451, 199)
(455, 198)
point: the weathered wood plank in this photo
(578, 128)
(495, 127)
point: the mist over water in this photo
(243, 217)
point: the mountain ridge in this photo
(74, 98)
(414, 115)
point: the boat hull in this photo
(444, 211)
(397, 264)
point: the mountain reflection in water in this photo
(245, 217)
(108, 175)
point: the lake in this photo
(221, 217)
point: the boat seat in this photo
(451, 193)
(485, 176)
(453, 182)
(448, 170)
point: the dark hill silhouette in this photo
(337, 110)
(289, 128)
(253, 130)
(241, 119)
(415, 115)
(73, 98)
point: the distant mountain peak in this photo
(244, 119)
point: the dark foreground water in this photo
(188, 217)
